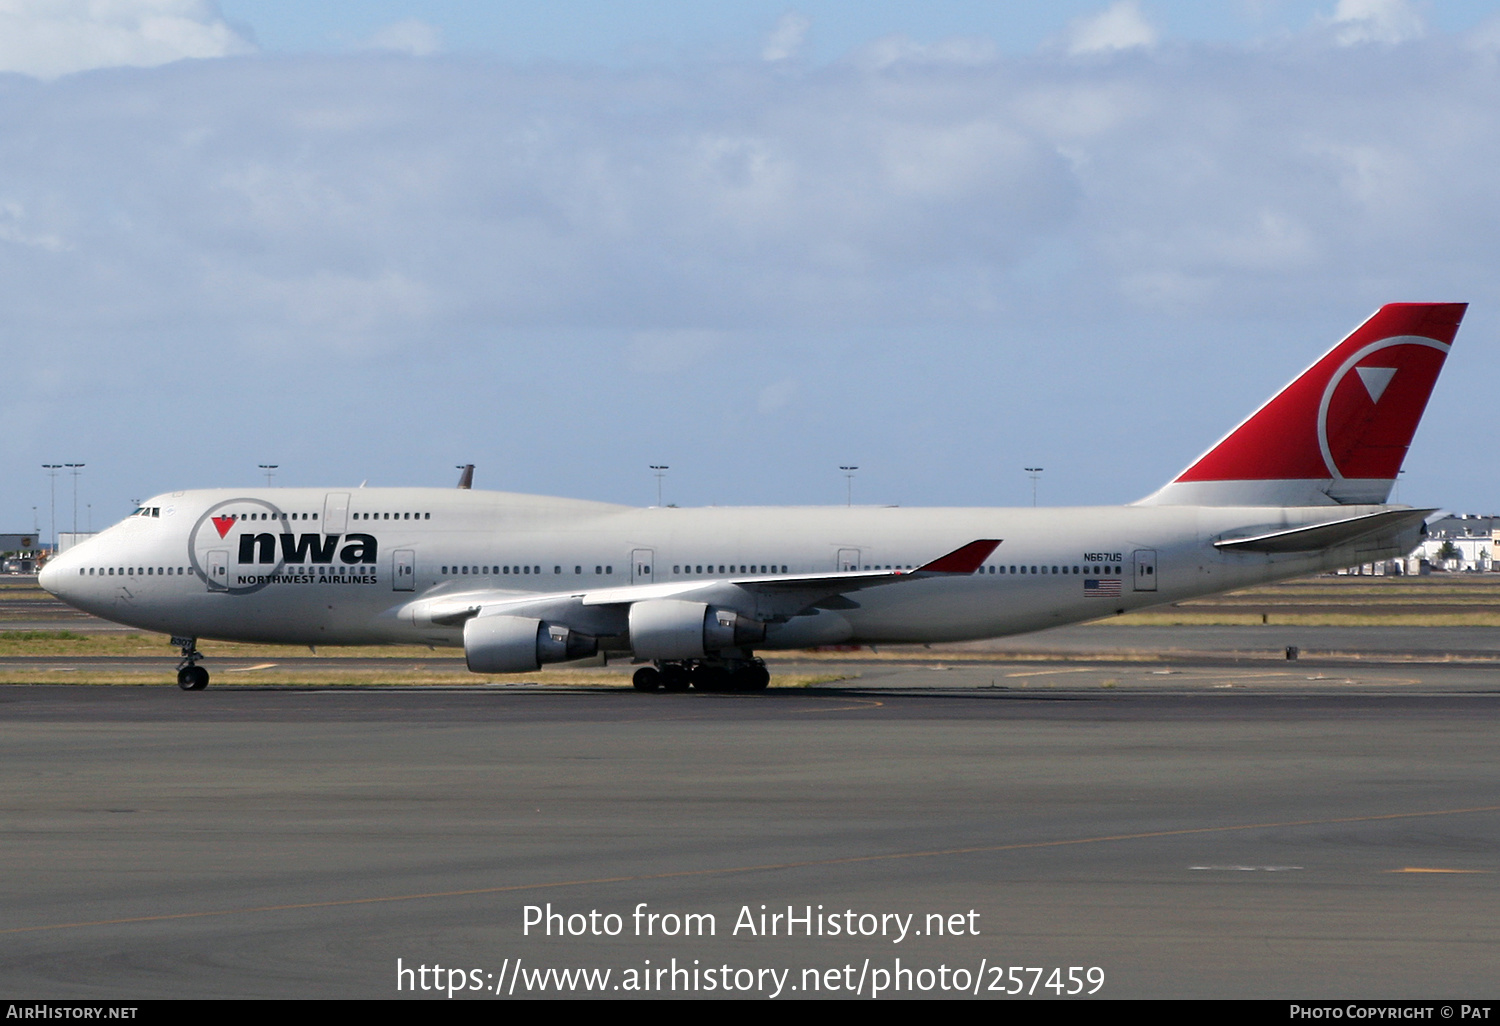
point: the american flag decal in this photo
(1101, 589)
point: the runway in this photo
(1202, 832)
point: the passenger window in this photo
(578, 570)
(598, 569)
(609, 569)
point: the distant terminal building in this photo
(20, 553)
(1462, 543)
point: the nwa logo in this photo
(306, 548)
(252, 532)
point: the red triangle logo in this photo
(223, 524)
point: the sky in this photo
(940, 241)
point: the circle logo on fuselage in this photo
(212, 545)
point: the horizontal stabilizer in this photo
(1327, 536)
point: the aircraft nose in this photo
(50, 576)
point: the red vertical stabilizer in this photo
(1339, 432)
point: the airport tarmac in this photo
(1194, 829)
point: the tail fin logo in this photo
(1375, 379)
(1360, 435)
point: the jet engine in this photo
(673, 629)
(519, 644)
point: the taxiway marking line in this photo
(689, 873)
(1425, 869)
(1044, 673)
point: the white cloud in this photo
(898, 49)
(1121, 26)
(1376, 21)
(412, 36)
(786, 39)
(49, 38)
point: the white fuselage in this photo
(369, 565)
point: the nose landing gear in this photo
(190, 676)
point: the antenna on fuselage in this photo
(466, 479)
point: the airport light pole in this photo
(661, 472)
(52, 469)
(270, 469)
(849, 481)
(74, 468)
(1035, 473)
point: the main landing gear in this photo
(741, 675)
(190, 676)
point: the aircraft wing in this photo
(960, 561)
(778, 595)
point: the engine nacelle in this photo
(671, 629)
(519, 644)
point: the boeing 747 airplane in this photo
(518, 581)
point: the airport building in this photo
(1462, 543)
(20, 553)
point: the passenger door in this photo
(642, 564)
(1145, 569)
(403, 570)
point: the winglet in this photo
(963, 560)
